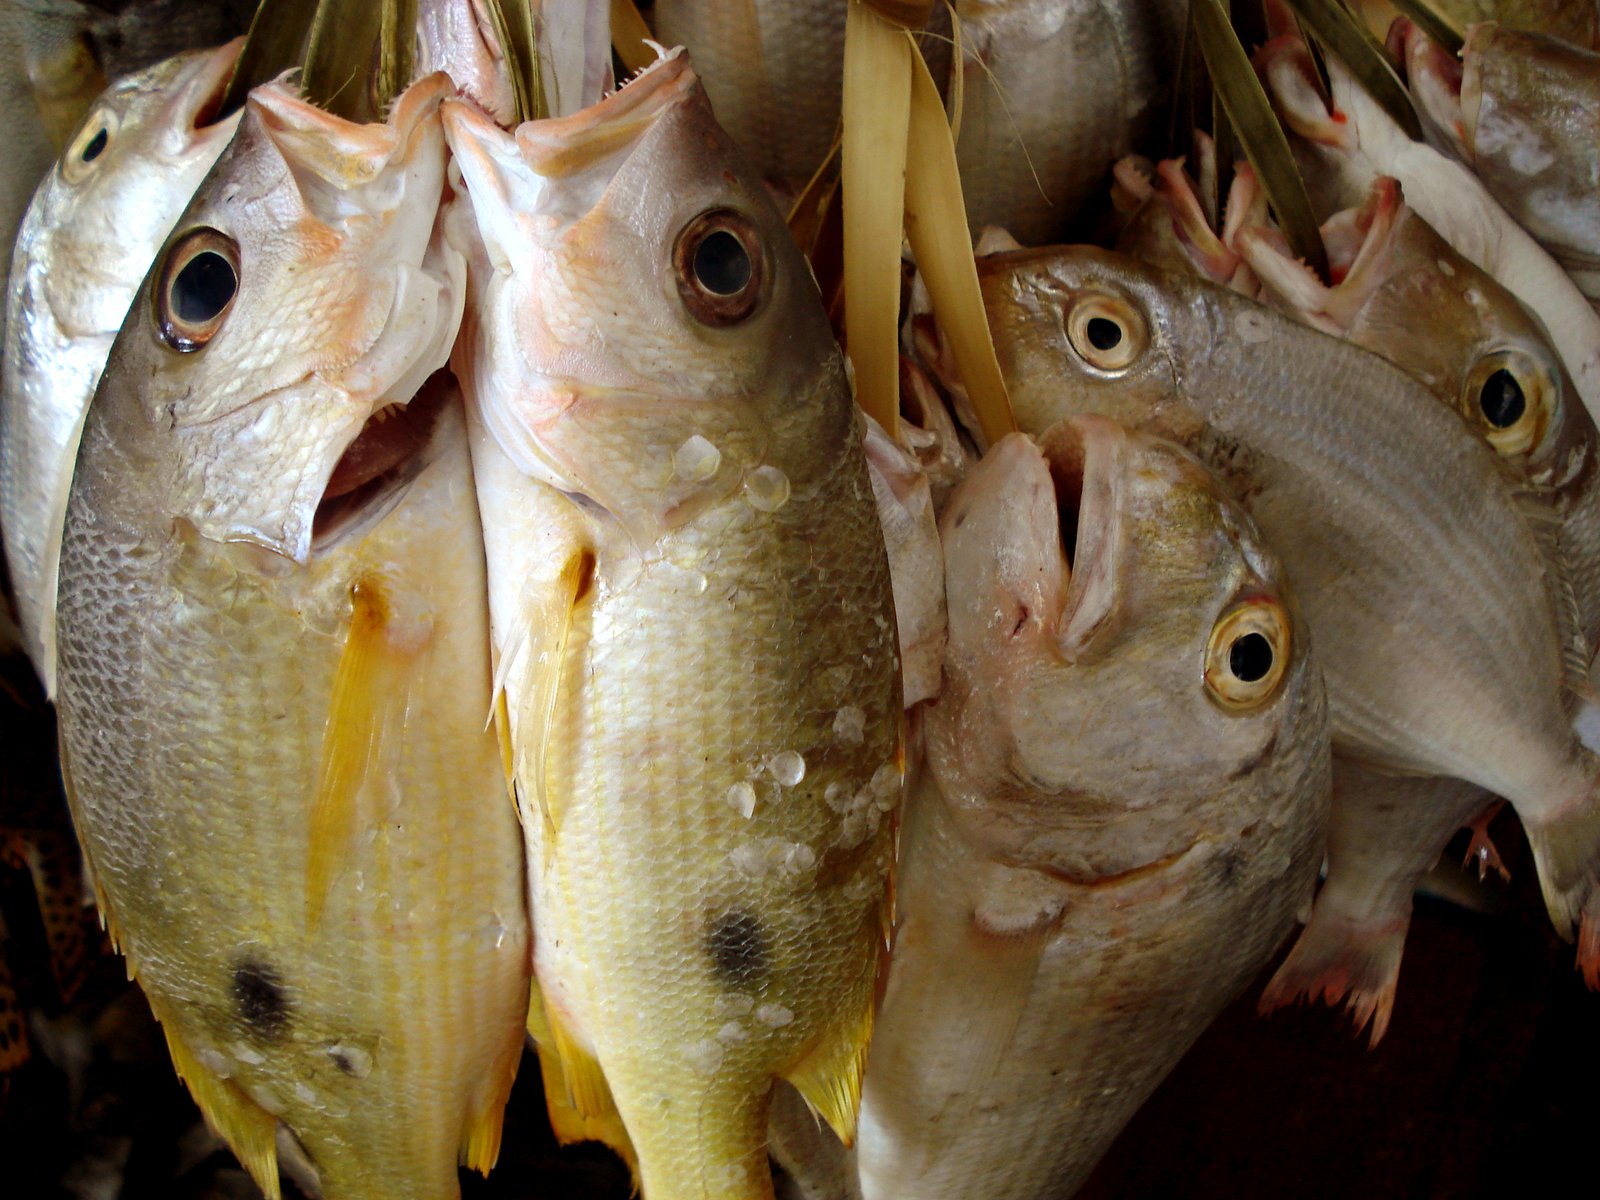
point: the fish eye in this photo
(719, 267)
(195, 289)
(86, 149)
(1510, 399)
(1247, 654)
(1106, 332)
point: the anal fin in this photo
(250, 1131)
(576, 1093)
(828, 1078)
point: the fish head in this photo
(301, 293)
(126, 173)
(1078, 329)
(1403, 292)
(1124, 665)
(652, 334)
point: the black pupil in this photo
(1502, 400)
(96, 144)
(1250, 658)
(1104, 334)
(203, 288)
(721, 264)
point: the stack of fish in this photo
(474, 604)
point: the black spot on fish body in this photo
(737, 948)
(258, 990)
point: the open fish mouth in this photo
(382, 460)
(1085, 455)
(196, 106)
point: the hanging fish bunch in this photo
(846, 586)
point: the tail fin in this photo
(1566, 851)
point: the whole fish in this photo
(774, 70)
(692, 613)
(95, 224)
(1344, 143)
(1446, 632)
(1404, 293)
(273, 670)
(1052, 95)
(1078, 900)
(1523, 110)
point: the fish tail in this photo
(1337, 958)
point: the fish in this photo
(1051, 96)
(57, 56)
(694, 626)
(1577, 23)
(273, 670)
(1519, 108)
(1078, 900)
(1344, 142)
(85, 246)
(1404, 293)
(1447, 636)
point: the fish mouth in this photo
(584, 150)
(380, 462)
(1084, 455)
(1437, 80)
(197, 104)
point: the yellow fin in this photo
(249, 1130)
(480, 1147)
(551, 622)
(365, 717)
(828, 1078)
(569, 1073)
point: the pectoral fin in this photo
(548, 610)
(366, 718)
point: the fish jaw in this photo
(334, 237)
(581, 219)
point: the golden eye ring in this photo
(1107, 332)
(87, 149)
(1510, 399)
(1247, 654)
